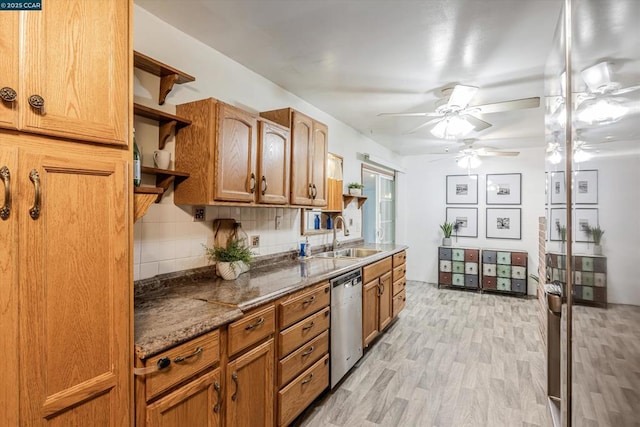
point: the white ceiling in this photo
(357, 58)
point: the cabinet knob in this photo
(8, 94)
(264, 185)
(37, 102)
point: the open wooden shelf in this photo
(164, 178)
(168, 122)
(348, 198)
(169, 76)
(144, 197)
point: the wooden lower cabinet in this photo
(377, 299)
(296, 396)
(385, 296)
(369, 312)
(250, 388)
(197, 404)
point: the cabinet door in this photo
(274, 160)
(301, 138)
(249, 394)
(369, 312)
(236, 179)
(386, 301)
(75, 292)
(196, 404)
(9, 51)
(76, 56)
(319, 167)
(8, 283)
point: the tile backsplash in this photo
(167, 239)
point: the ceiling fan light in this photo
(597, 76)
(555, 157)
(469, 161)
(601, 111)
(581, 155)
(452, 127)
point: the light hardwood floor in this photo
(453, 358)
(458, 358)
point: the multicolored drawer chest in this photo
(504, 271)
(589, 276)
(459, 267)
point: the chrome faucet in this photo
(334, 245)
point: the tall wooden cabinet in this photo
(309, 151)
(229, 159)
(69, 74)
(65, 236)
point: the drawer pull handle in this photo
(252, 183)
(308, 380)
(216, 387)
(254, 325)
(308, 352)
(234, 377)
(309, 300)
(309, 326)
(181, 359)
(34, 212)
(37, 102)
(326, 290)
(5, 175)
(8, 94)
(264, 185)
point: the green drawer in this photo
(457, 267)
(457, 255)
(587, 279)
(457, 279)
(504, 270)
(503, 284)
(504, 257)
(587, 263)
(587, 293)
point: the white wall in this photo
(618, 213)
(167, 239)
(425, 209)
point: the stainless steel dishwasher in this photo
(346, 324)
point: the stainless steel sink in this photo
(348, 253)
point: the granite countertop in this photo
(176, 310)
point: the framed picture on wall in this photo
(582, 220)
(504, 223)
(466, 220)
(557, 188)
(504, 188)
(557, 219)
(546, 189)
(585, 187)
(462, 189)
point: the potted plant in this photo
(596, 234)
(562, 231)
(446, 228)
(355, 188)
(230, 261)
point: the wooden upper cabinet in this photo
(301, 152)
(75, 58)
(309, 151)
(236, 149)
(9, 62)
(273, 163)
(319, 164)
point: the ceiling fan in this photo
(582, 149)
(469, 156)
(454, 117)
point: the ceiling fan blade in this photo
(499, 153)
(625, 90)
(427, 123)
(461, 96)
(498, 107)
(478, 124)
(410, 114)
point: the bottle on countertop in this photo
(137, 162)
(316, 222)
(329, 222)
(307, 247)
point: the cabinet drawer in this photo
(471, 281)
(302, 358)
(489, 282)
(518, 272)
(299, 307)
(375, 270)
(399, 258)
(457, 279)
(457, 267)
(504, 270)
(519, 259)
(298, 334)
(503, 284)
(444, 279)
(295, 397)
(519, 285)
(399, 302)
(399, 285)
(471, 255)
(251, 329)
(488, 269)
(504, 257)
(444, 254)
(489, 257)
(457, 254)
(471, 268)
(399, 272)
(204, 352)
(446, 266)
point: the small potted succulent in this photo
(596, 234)
(355, 188)
(446, 228)
(230, 261)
